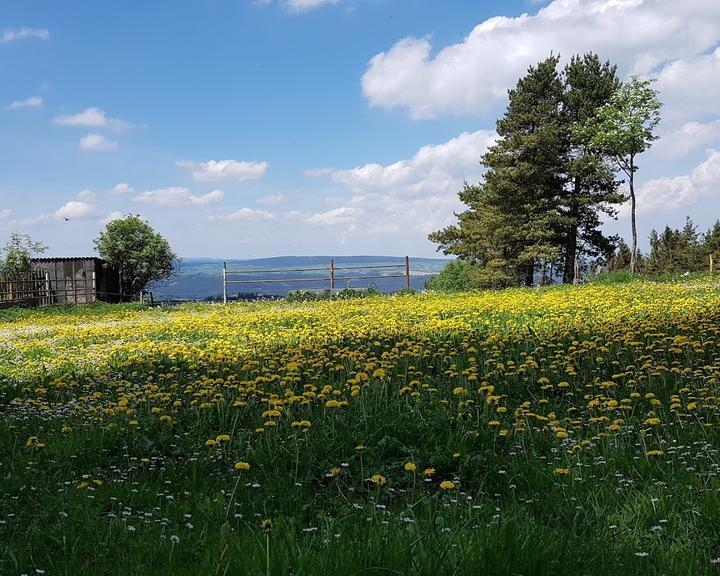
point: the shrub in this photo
(457, 276)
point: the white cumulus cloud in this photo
(690, 136)
(122, 188)
(75, 209)
(31, 102)
(472, 76)
(5, 213)
(701, 184)
(272, 200)
(97, 141)
(342, 215)
(244, 214)
(177, 196)
(91, 118)
(305, 5)
(225, 170)
(434, 168)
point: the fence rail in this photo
(230, 276)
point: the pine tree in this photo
(711, 245)
(481, 237)
(592, 189)
(621, 258)
(513, 222)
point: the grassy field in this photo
(561, 431)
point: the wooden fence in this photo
(38, 289)
(231, 277)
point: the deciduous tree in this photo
(622, 129)
(141, 255)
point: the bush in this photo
(457, 276)
(346, 294)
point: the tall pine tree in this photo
(545, 190)
(592, 188)
(516, 205)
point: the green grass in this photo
(168, 504)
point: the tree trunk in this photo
(530, 274)
(570, 255)
(633, 250)
(571, 241)
(543, 269)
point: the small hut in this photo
(76, 280)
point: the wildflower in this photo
(243, 466)
(429, 472)
(561, 471)
(359, 447)
(210, 442)
(175, 539)
(266, 525)
(223, 438)
(655, 453)
(34, 442)
(447, 485)
(410, 467)
(378, 479)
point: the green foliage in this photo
(456, 276)
(625, 126)
(141, 255)
(673, 252)
(621, 258)
(622, 129)
(15, 256)
(344, 294)
(546, 189)
(592, 189)
(711, 243)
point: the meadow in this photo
(568, 430)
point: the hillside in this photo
(201, 278)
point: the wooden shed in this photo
(76, 280)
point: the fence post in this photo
(332, 274)
(224, 283)
(407, 272)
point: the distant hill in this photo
(201, 278)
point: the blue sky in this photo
(259, 128)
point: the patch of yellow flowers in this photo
(513, 362)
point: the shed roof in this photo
(66, 259)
